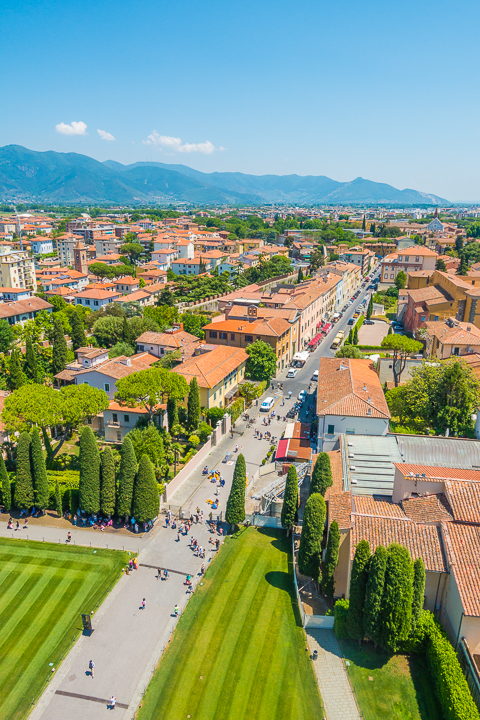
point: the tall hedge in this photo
(107, 487)
(5, 486)
(42, 493)
(24, 494)
(172, 413)
(374, 594)
(396, 613)
(341, 622)
(418, 590)
(89, 459)
(358, 584)
(78, 333)
(322, 474)
(193, 405)
(59, 350)
(290, 500)
(58, 499)
(16, 378)
(310, 550)
(126, 478)
(235, 512)
(146, 500)
(31, 368)
(331, 560)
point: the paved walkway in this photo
(335, 688)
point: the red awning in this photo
(327, 327)
(282, 449)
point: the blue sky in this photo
(383, 90)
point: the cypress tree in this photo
(235, 513)
(358, 582)
(370, 308)
(290, 500)
(78, 333)
(126, 332)
(31, 368)
(5, 486)
(364, 226)
(396, 612)
(418, 590)
(89, 485)
(107, 489)
(42, 493)
(193, 405)
(24, 496)
(310, 551)
(146, 500)
(300, 275)
(374, 594)
(350, 338)
(355, 336)
(331, 560)
(126, 478)
(321, 478)
(46, 442)
(172, 413)
(15, 378)
(59, 352)
(58, 499)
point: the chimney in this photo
(126, 361)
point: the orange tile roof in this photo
(376, 506)
(170, 340)
(212, 367)
(97, 294)
(350, 387)
(272, 326)
(464, 499)
(431, 472)
(429, 508)
(462, 543)
(340, 509)
(116, 367)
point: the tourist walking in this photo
(176, 610)
(91, 666)
(113, 700)
(143, 604)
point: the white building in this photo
(41, 246)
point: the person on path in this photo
(135, 563)
(18, 525)
(25, 524)
(113, 700)
(159, 573)
(165, 574)
(176, 610)
(143, 604)
(91, 666)
(178, 536)
(69, 537)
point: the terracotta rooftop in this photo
(430, 293)
(462, 544)
(19, 307)
(122, 366)
(97, 294)
(376, 506)
(427, 509)
(170, 340)
(461, 333)
(340, 509)
(464, 499)
(431, 472)
(212, 367)
(350, 387)
(275, 326)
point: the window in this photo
(89, 421)
(87, 302)
(126, 418)
(213, 333)
(107, 387)
(119, 437)
(456, 351)
(223, 336)
(85, 382)
(232, 336)
(417, 259)
(391, 277)
(248, 338)
(140, 347)
(331, 430)
(423, 318)
(115, 417)
(436, 317)
(95, 302)
(214, 395)
(350, 431)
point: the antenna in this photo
(18, 227)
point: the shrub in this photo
(126, 478)
(341, 624)
(290, 499)
(331, 560)
(236, 409)
(204, 432)
(194, 440)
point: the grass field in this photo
(239, 650)
(400, 688)
(43, 590)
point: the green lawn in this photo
(401, 688)
(43, 590)
(239, 649)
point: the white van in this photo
(315, 376)
(292, 372)
(267, 404)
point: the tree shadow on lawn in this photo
(279, 538)
(284, 581)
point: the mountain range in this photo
(67, 178)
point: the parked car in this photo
(369, 322)
(351, 321)
(292, 372)
(315, 376)
(291, 413)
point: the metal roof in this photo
(439, 451)
(370, 461)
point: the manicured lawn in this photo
(238, 652)
(401, 688)
(43, 590)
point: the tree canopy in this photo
(147, 389)
(262, 361)
(401, 347)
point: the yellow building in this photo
(17, 270)
(218, 372)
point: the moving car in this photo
(315, 376)
(351, 321)
(292, 372)
(267, 404)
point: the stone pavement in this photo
(335, 689)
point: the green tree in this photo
(459, 244)
(7, 336)
(418, 590)
(127, 337)
(290, 500)
(349, 351)
(148, 441)
(172, 413)
(374, 594)
(331, 560)
(250, 391)
(396, 612)
(58, 499)
(370, 308)
(24, 494)
(235, 512)
(126, 478)
(60, 352)
(193, 324)
(15, 378)
(262, 361)
(89, 460)
(107, 488)
(322, 477)
(358, 583)
(121, 348)
(146, 500)
(300, 275)
(401, 280)
(310, 551)
(133, 250)
(108, 330)
(463, 267)
(193, 405)
(167, 298)
(148, 387)
(355, 335)
(77, 331)
(39, 470)
(5, 486)
(440, 265)
(401, 347)
(31, 367)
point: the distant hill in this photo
(27, 175)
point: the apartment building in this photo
(41, 246)
(450, 337)
(105, 244)
(363, 258)
(17, 270)
(65, 245)
(413, 259)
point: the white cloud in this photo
(105, 135)
(76, 128)
(165, 142)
